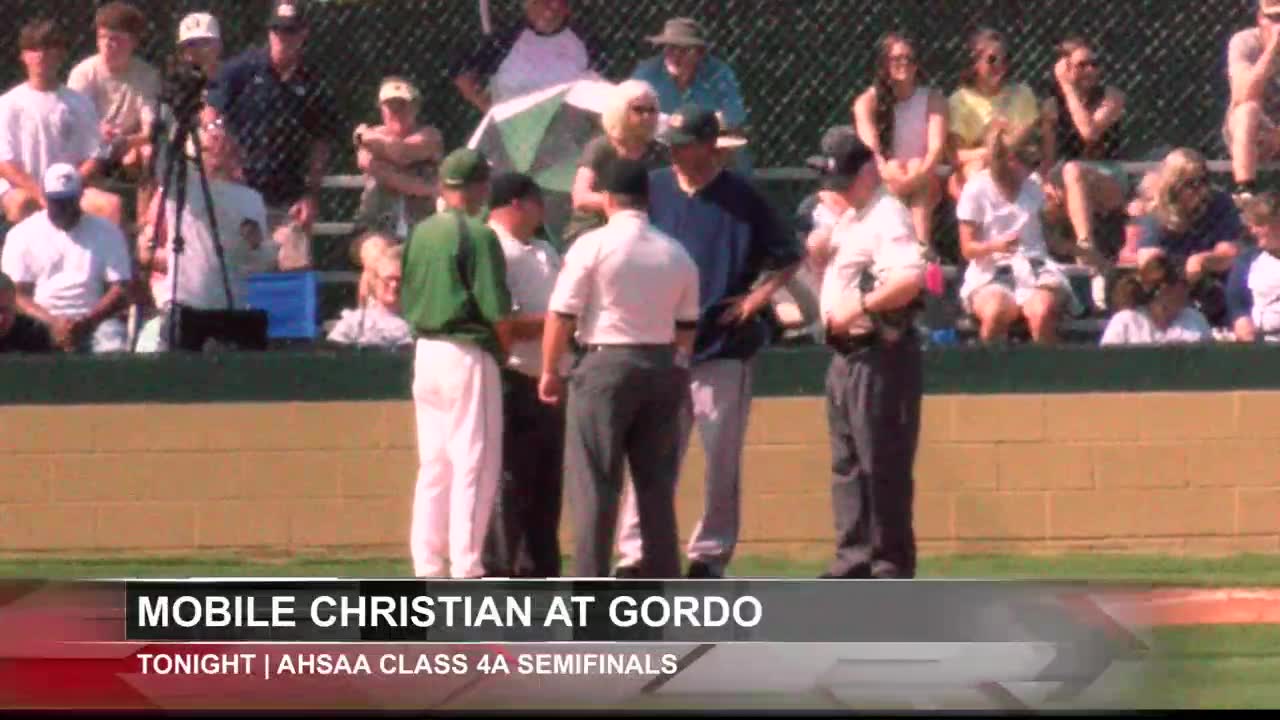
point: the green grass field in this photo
(1204, 667)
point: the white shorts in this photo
(1019, 279)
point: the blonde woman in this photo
(905, 123)
(990, 100)
(630, 121)
(376, 322)
(1010, 275)
(1197, 226)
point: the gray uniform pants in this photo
(873, 415)
(621, 405)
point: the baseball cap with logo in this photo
(62, 182)
(198, 26)
(843, 156)
(691, 123)
(464, 166)
(288, 15)
(397, 88)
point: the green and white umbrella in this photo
(543, 134)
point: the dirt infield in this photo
(1183, 607)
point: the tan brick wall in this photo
(1162, 472)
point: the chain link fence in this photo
(799, 62)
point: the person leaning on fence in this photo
(376, 323)
(285, 119)
(905, 123)
(399, 159)
(1253, 287)
(1197, 226)
(687, 73)
(123, 89)
(1010, 275)
(631, 294)
(541, 51)
(1250, 129)
(1156, 309)
(630, 121)
(19, 332)
(523, 539)
(1087, 185)
(454, 295)
(745, 256)
(43, 123)
(874, 386)
(241, 219)
(989, 99)
(70, 268)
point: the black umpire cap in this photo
(843, 157)
(626, 177)
(509, 187)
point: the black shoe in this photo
(627, 573)
(702, 571)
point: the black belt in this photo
(626, 346)
(847, 345)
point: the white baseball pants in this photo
(457, 396)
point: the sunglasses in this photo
(902, 59)
(1091, 63)
(996, 59)
(644, 110)
(1199, 182)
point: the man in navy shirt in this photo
(286, 120)
(744, 255)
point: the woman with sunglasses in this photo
(1087, 184)
(630, 122)
(905, 123)
(1195, 225)
(989, 99)
(1154, 310)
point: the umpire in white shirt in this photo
(631, 292)
(874, 386)
(524, 534)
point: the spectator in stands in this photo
(19, 333)
(399, 159)
(200, 43)
(377, 322)
(686, 73)
(285, 120)
(1253, 288)
(526, 523)
(1010, 274)
(70, 268)
(541, 52)
(1250, 129)
(241, 218)
(989, 99)
(43, 123)
(365, 251)
(124, 90)
(1196, 226)
(905, 123)
(629, 121)
(1153, 309)
(1087, 182)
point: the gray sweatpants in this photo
(621, 401)
(720, 394)
(873, 415)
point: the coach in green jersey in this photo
(455, 297)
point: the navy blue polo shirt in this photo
(1219, 223)
(275, 122)
(733, 236)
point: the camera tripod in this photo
(177, 171)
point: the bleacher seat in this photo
(290, 300)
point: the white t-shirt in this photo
(371, 326)
(1134, 327)
(241, 216)
(982, 204)
(126, 101)
(70, 271)
(39, 129)
(531, 276)
(879, 239)
(627, 283)
(537, 62)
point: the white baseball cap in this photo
(62, 182)
(198, 26)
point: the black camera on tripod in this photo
(182, 89)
